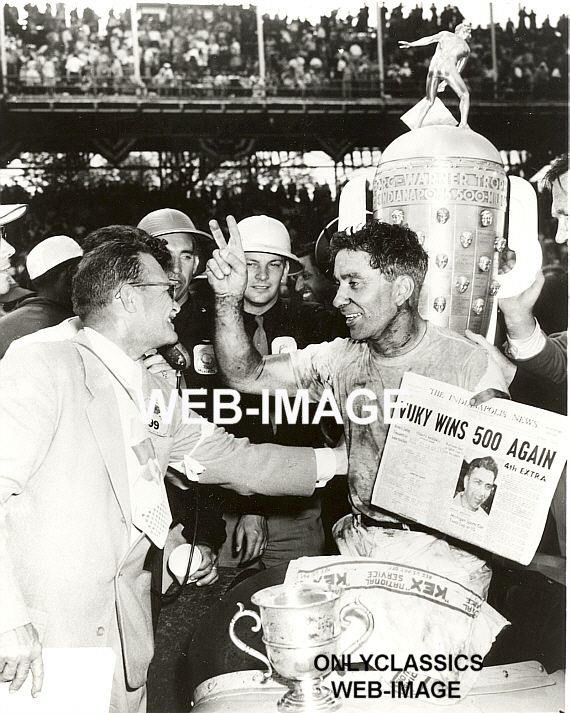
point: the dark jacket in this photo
(32, 314)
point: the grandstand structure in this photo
(69, 87)
(231, 127)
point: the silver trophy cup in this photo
(301, 623)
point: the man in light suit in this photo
(81, 491)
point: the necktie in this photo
(151, 512)
(260, 343)
(260, 337)
(149, 501)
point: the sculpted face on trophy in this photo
(484, 263)
(486, 218)
(478, 306)
(462, 284)
(466, 238)
(397, 217)
(442, 216)
(500, 243)
(493, 288)
(441, 260)
(421, 237)
(439, 304)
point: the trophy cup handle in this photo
(522, 238)
(357, 610)
(242, 612)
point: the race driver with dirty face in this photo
(380, 270)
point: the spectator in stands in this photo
(73, 69)
(49, 74)
(222, 40)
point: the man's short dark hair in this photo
(486, 462)
(105, 268)
(557, 170)
(393, 249)
(111, 232)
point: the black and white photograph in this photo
(228, 233)
(476, 487)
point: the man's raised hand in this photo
(518, 310)
(226, 270)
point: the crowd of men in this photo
(214, 48)
(90, 493)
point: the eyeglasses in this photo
(171, 287)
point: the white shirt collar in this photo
(129, 372)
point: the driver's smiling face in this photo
(364, 297)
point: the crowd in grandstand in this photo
(212, 50)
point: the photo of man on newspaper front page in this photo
(283, 356)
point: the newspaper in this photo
(484, 475)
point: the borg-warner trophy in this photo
(448, 184)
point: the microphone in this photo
(177, 356)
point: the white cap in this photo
(50, 253)
(8, 213)
(262, 234)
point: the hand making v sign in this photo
(226, 270)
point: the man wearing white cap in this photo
(51, 265)
(275, 530)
